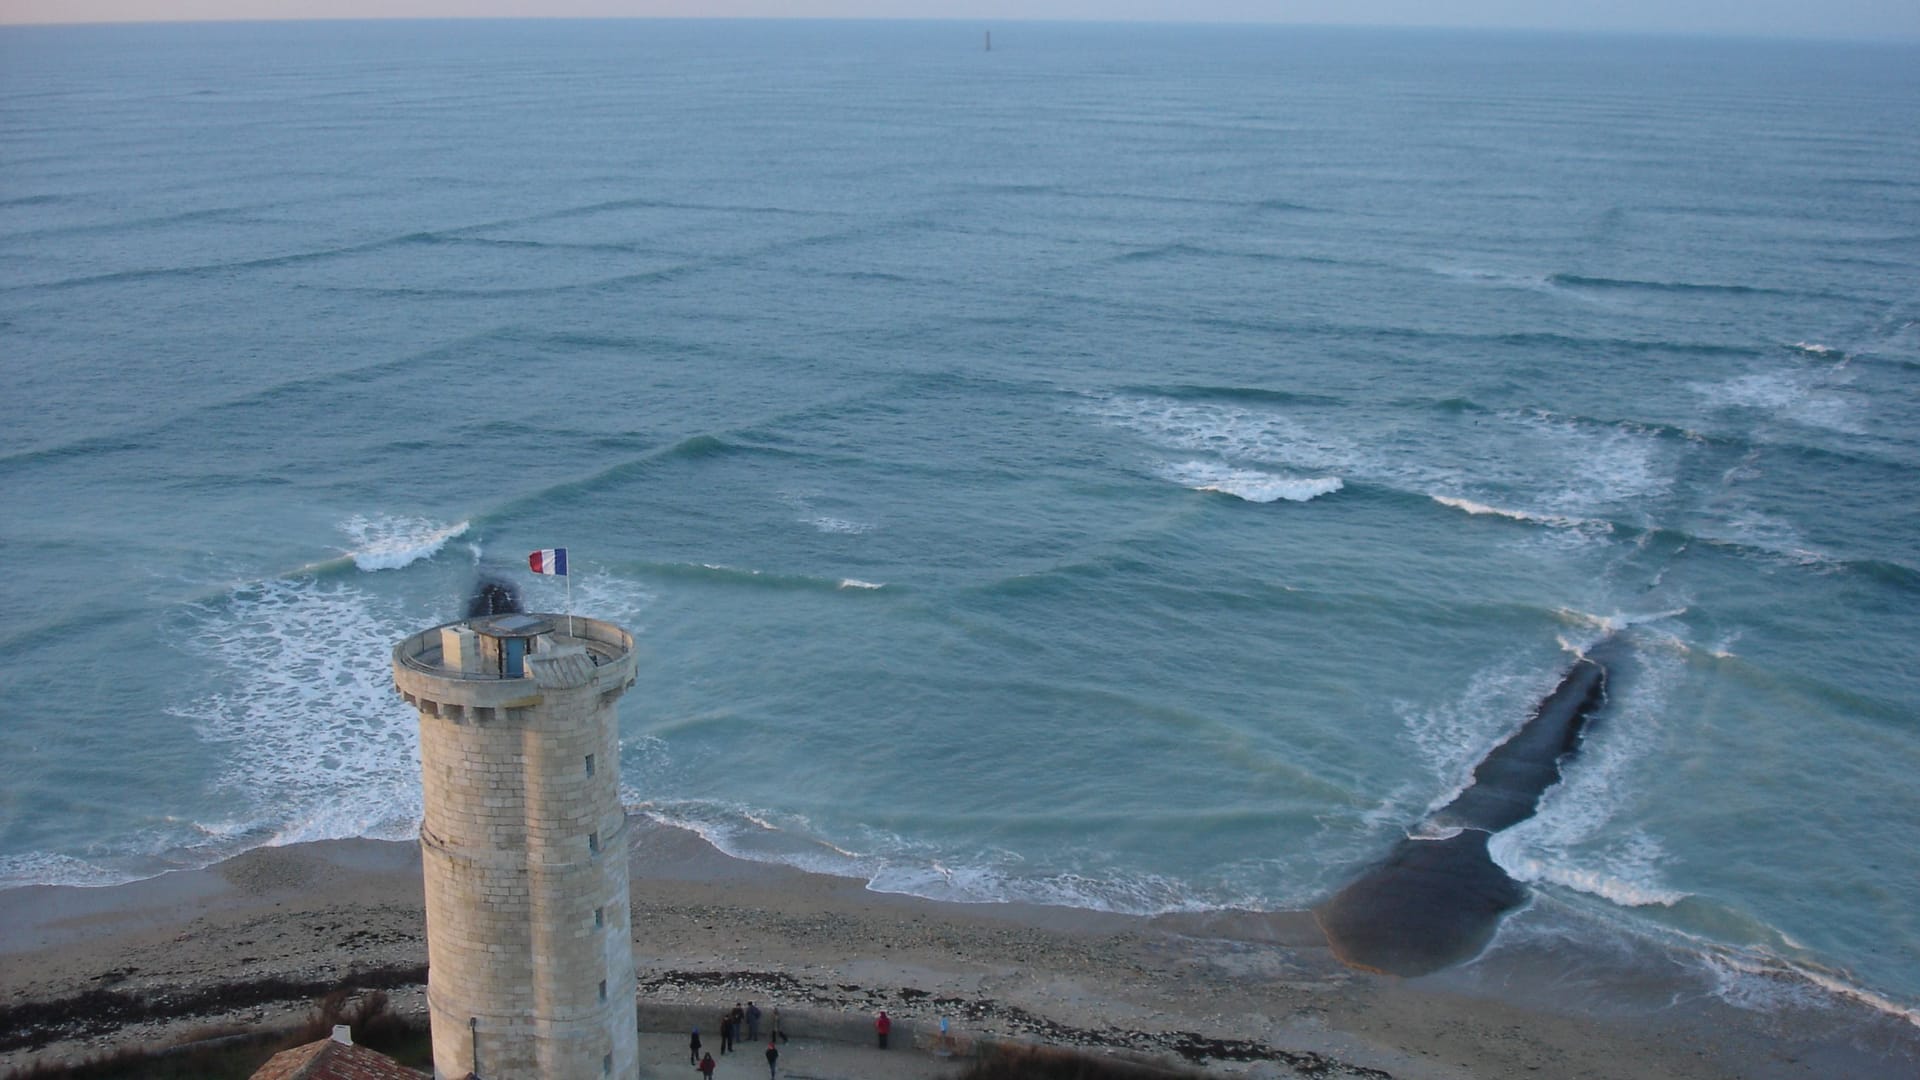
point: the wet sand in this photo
(1245, 993)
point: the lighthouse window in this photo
(589, 764)
(606, 1065)
(599, 917)
(593, 842)
(603, 989)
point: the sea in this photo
(1132, 467)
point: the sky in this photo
(1872, 19)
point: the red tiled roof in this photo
(330, 1060)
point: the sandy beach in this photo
(247, 941)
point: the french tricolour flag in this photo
(549, 561)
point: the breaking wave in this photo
(384, 542)
(1558, 521)
(1250, 484)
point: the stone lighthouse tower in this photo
(523, 845)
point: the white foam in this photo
(1557, 521)
(1580, 468)
(1814, 398)
(1004, 877)
(1755, 980)
(1580, 618)
(1230, 431)
(1451, 737)
(840, 525)
(1746, 526)
(889, 863)
(765, 824)
(1249, 484)
(1571, 474)
(1393, 808)
(802, 501)
(856, 583)
(1756, 529)
(302, 714)
(1754, 977)
(1841, 987)
(166, 843)
(1146, 894)
(1814, 350)
(760, 835)
(1764, 390)
(1748, 981)
(1574, 840)
(1628, 880)
(1723, 649)
(642, 759)
(1830, 411)
(1616, 622)
(387, 542)
(45, 868)
(1472, 507)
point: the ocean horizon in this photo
(1140, 468)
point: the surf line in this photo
(1433, 903)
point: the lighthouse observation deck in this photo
(458, 650)
(504, 661)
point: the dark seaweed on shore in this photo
(34, 1024)
(1047, 1063)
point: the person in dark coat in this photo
(773, 1055)
(693, 1044)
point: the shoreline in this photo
(1248, 993)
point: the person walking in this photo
(693, 1044)
(773, 1055)
(883, 1024)
(706, 1066)
(753, 1022)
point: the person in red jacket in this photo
(706, 1066)
(881, 1025)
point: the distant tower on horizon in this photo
(523, 845)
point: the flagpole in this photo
(557, 566)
